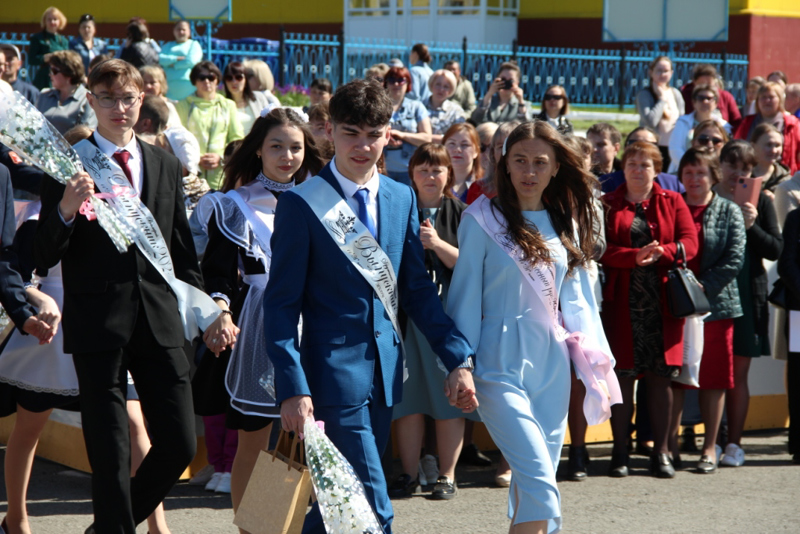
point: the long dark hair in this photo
(244, 165)
(232, 69)
(568, 199)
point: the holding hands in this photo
(222, 332)
(460, 390)
(649, 254)
(43, 326)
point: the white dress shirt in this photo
(135, 162)
(349, 189)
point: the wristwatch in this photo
(467, 365)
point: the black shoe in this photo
(796, 458)
(619, 465)
(576, 465)
(444, 490)
(404, 486)
(90, 530)
(688, 443)
(470, 455)
(661, 466)
(706, 466)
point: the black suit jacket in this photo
(12, 292)
(104, 289)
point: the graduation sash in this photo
(592, 366)
(357, 244)
(196, 308)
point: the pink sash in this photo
(593, 366)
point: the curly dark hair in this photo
(568, 199)
(244, 165)
(361, 103)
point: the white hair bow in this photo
(270, 107)
(505, 146)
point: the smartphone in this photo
(747, 190)
(508, 84)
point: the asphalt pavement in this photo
(761, 496)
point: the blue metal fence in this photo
(591, 77)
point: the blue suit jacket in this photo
(609, 182)
(345, 327)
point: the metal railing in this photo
(590, 77)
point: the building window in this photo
(459, 7)
(369, 8)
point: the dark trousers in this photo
(793, 394)
(361, 434)
(162, 382)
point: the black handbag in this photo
(777, 297)
(685, 295)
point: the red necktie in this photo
(122, 158)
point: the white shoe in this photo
(214, 482)
(202, 477)
(429, 469)
(733, 457)
(421, 475)
(224, 485)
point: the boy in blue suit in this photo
(348, 370)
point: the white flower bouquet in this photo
(28, 133)
(342, 500)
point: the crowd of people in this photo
(494, 241)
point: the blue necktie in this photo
(363, 213)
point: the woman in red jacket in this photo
(644, 223)
(770, 110)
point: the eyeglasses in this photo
(206, 78)
(396, 81)
(231, 77)
(108, 101)
(705, 98)
(553, 97)
(55, 70)
(704, 140)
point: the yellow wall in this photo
(250, 11)
(537, 9)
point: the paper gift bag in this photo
(276, 496)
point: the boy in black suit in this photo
(120, 314)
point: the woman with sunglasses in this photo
(555, 106)
(248, 103)
(411, 125)
(704, 99)
(711, 136)
(659, 105)
(66, 105)
(87, 45)
(178, 57)
(212, 118)
(770, 110)
(768, 144)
